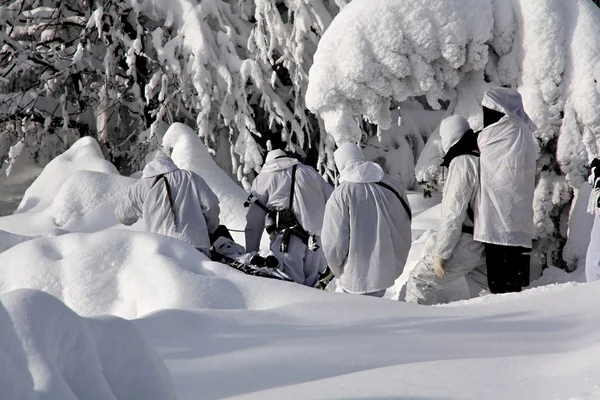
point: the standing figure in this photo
(504, 212)
(366, 231)
(294, 195)
(592, 259)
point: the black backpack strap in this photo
(292, 189)
(169, 195)
(404, 203)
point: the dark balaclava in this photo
(490, 116)
(467, 145)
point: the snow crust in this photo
(130, 274)
(76, 191)
(49, 352)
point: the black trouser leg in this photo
(522, 259)
(507, 268)
(496, 268)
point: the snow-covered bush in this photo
(378, 53)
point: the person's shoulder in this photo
(188, 173)
(465, 160)
(346, 190)
(306, 169)
(389, 180)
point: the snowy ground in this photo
(222, 334)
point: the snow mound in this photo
(188, 152)
(85, 202)
(49, 352)
(8, 240)
(378, 50)
(89, 196)
(130, 274)
(84, 155)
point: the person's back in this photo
(274, 183)
(273, 188)
(508, 156)
(172, 202)
(366, 233)
(504, 212)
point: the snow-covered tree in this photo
(236, 71)
(378, 54)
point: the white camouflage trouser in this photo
(468, 260)
(299, 263)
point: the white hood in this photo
(279, 164)
(349, 160)
(451, 130)
(509, 102)
(159, 166)
(273, 154)
(362, 172)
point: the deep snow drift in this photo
(76, 191)
(225, 334)
(49, 352)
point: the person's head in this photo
(500, 101)
(346, 154)
(162, 164)
(275, 154)
(452, 130)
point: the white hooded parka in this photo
(366, 232)
(272, 187)
(195, 206)
(464, 256)
(504, 212)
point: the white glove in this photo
(438, 266)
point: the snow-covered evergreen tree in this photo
(236, 71)
(449, 52)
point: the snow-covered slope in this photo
(224, 334)
(537, 345)
(48, 352)
(130, 274)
